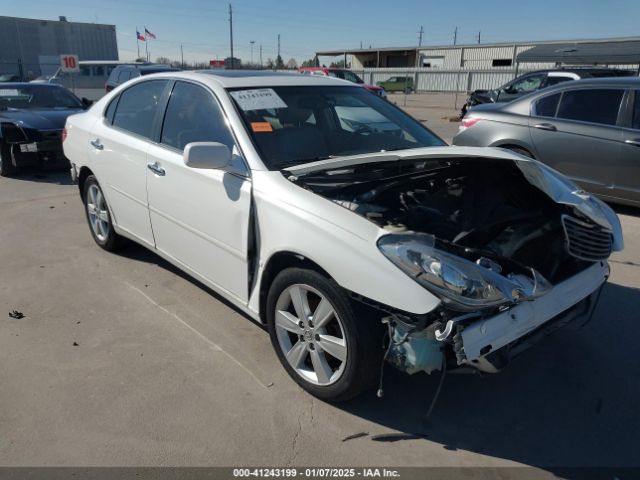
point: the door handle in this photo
(96, 144)
(633, 141)
(546, 126)
(156, 168)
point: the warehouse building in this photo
(33, 47)
(480, 56)
(460, 68)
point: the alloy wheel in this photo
(311, 335)
(98, 214)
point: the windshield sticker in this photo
(259, 99)
(261, 127)
(7, 92)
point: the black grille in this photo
(585, 240)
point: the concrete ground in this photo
(122, 360)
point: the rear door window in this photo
(595, 105)
(124, 75)
(138, 107)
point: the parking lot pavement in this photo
(122, 360)
(437, 111)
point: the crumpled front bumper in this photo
(477, 344)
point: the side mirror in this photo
(208, 155)
(86, 102)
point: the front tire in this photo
(7, 168)
(328, 349)
(99, 217)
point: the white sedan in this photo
(283, 194)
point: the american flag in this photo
(148, 34)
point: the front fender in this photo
(342, 243)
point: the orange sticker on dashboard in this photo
(261, 127)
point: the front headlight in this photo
(457, 281)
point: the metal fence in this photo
(432, 80)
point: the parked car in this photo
(123, 73)
(398, 84)
(9, 77)
(32, 117)
(258, 185)
(532, 81)
(588, 130)
(343, 74)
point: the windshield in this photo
(297, 125)
(37, 97)
(345, 75)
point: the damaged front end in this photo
(511, 248)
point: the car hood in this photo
(552, 183)
(39, 119)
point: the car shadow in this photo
(37, 175)
(135, 251)
(570, 401)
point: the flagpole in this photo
(146, 47)
(137, 42)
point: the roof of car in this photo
(6, 85)
(256, 78)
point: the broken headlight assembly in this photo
(459, 282)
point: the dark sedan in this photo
(32, 118)
(588, 130)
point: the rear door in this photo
(119, 144)
(576, 133)
(627, 183)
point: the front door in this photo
(200, 217)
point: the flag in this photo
(148, 34)
(140, 36)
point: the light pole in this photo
(252, 42)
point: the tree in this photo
(309, 63)
(292, 64)
(269, 64)
(237, 63)
(339, 64)
(279, 63)
(163, 61)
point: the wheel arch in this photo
(514, 145)
(84, 173)
(278, 262)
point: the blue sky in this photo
(203, 28)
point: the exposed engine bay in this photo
(474, 208)
(482, 210)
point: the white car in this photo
(335, 233)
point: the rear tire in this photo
(408, 90)
(7, 168)
(329, 350)
(99, 216)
